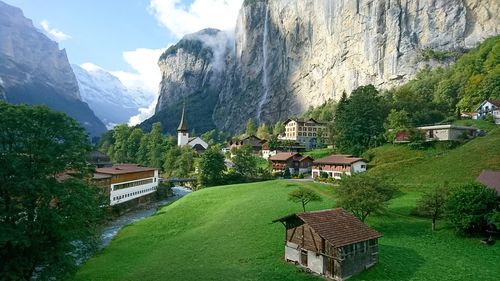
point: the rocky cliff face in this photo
(35, 71)
(291, 54)
(193, 74)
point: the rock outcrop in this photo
(193, 73)
(288, 55)
(35, 71)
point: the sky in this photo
(126, 37)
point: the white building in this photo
(128, 181)
(305, 132)
(337, 166)
(447, 132)
(489, 107)
(183, 137)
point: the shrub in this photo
(470, 206)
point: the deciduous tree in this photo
(304, 196)
(212, 167)
(42, 215)
(433, 203)
(363, 195)
(469, 207)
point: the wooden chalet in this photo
(296, 162)
(338, 165)
(332, 243)
(253, 141)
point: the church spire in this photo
(182, 125)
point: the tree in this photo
(41, 216)
(245, 163)
(263, 132)
(304, 196)
(363, 195)
(251, 128)
(185, 163)
(433, 203)
(469, 207)
(359, 120)
(396, 121)
(278, 128)
(286, 173)
(212, 167)
(170, 164)
(133, 144)
(121, 135)
(156, 148)
(143, 152)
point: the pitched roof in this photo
(182, 125)
(495, 102)
(491, 179)
(336, 226)
(338, 159)
(123, 169)
(299, 120)
(282, 156)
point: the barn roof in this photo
(123, 169)
(338, 159)
(282, 156)
(336, 226)
(491, 179)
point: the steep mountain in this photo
(193, 72)
(288, 55)
(35, 71)
(111, 101)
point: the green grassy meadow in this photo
(419, 169)
(225, 233)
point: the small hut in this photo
(332, 243)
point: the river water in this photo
(114, 226)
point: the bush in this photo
(470, 206)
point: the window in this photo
(303, 257)
(363, 166)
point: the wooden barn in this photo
(332, 243)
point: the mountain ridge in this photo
(35, 71)
(317, 49)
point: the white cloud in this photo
(144, 113)
(53, 33)
(146, 78)
(183, 19)
(147, 74)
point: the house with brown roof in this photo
(253, 141)
(127, 182)
(338, 165)
(296, 162)
(332, 243)
(491, 179)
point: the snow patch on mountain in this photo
(111, 101)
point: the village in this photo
(333, 243)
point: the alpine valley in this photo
(290, 54)
(34, 71)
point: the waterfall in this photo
(265, 82)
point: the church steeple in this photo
(182, 131)
(182, 125)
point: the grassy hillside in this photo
(424, 168)
(224, 233)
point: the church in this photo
(183, 137)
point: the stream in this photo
(114, 226)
